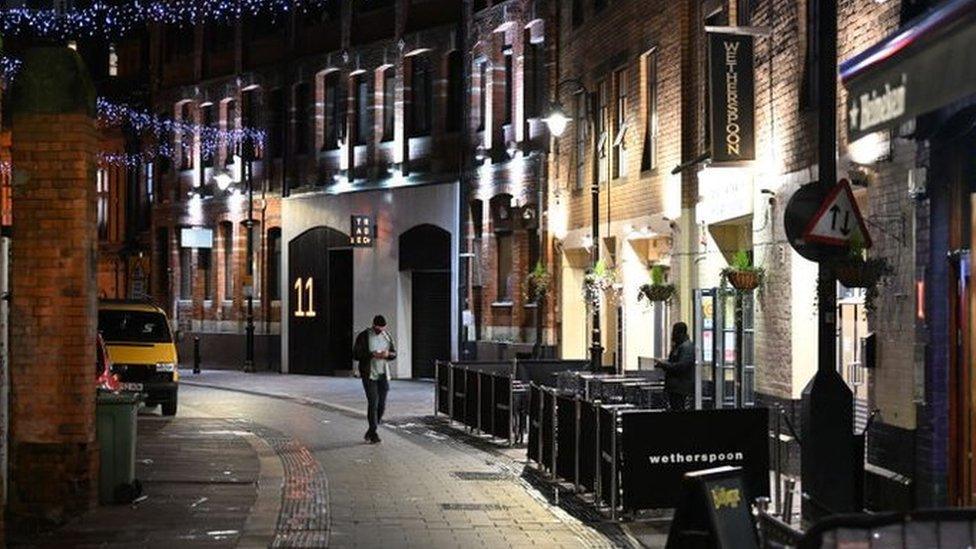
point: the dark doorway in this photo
(319, 302)
(425, 250)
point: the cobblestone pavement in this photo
(418, 488)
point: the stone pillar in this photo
(53, 318)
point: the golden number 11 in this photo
(303, 286)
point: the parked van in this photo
(141, 350)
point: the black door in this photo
(315, 266)
(339, 355)
(431, 321)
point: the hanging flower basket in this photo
(860, 273)
(597, 282)
(537, 284)
(743, 280)
(656, 292)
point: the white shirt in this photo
(378, 366)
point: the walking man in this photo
(374, 350)
(679, 370)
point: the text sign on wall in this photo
(361, 231)
(731, 89)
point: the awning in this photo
(926, 65)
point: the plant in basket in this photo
(855, 270)
(741, 274)
(658, 289)
(537, 284)
(596, 282)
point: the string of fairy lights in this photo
(111, 21)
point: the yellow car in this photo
(142, 351)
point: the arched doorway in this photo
(425, 251)
(320, 302)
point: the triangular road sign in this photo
(838, 219)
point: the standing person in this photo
(679, 369)
(374, 349)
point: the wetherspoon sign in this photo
(731, 90)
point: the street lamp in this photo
(223, 180)
(556, 121)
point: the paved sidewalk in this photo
(407, 398)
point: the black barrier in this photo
(607, 428)
(535, 423)
(502, 411)
(443, 387)
(714, 511)
(548, 429)
(658, 448)
(459, 398)
(471, 398)
(543, 372)
(566, 425)
(486, 403)
(928, 529)
(588, 446)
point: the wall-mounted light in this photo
(557, 119)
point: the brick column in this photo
(54, 454)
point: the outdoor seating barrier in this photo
(929, 529)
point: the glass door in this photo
(705, 324)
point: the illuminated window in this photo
(113, 61)
(102, 194)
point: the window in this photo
(420, 101)
(249, 118)
(482, 94)
(113, 61)
(620, 124)
(577, 13)
(227, 240)
(186, 274)
(276, 124)
(505, 275)
(102, 192)
(274, 264)
(389, 102)
(809, 96)
(334, 109)
(580, 123)
(509, 89)
(744, 11)
(455, 91)
(649, 158)
(148, 193)
(535, 80)
(133, 326)
(362, 109)
(602, 127)
(230, 124)
(207, 126)
(301, 111)
(255, 231)
(204, 258)
(186, 136)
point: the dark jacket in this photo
(679, 369)
(361, 354)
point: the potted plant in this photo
(742, 274)
(658, 289)
(596, 282)
(537, 284)
(856, 270)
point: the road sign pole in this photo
(827, 464)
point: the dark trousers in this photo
(680, 401)
(376, 390)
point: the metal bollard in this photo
(196, 354)
(788, 500)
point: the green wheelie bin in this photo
(116, 431)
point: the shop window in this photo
(227, 242)
(579, 122)
(389, 102)
(620, 124)
(421, 97)
(603, 127)
(274, 264)
(505, 275)
(204, 257)
(361, 85)
(334, 112)
(230, 124)
(207, 151)
(276, 124)
(101, 207)
(186, 136)
(509, 85)
(186, 274)
(302, 117)
(455, 91)
(649, 158)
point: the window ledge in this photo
(503, 304)
(531, 305)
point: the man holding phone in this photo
(374, 349)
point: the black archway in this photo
(425, 250)
(320, 302)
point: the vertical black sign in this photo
(731, 89)
(361, 231)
